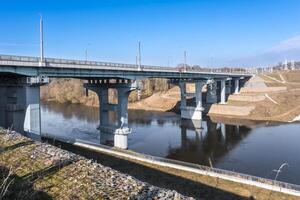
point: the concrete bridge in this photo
(21, 78)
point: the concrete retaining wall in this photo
(173, 164)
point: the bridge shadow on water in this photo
(155, 177)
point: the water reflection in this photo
(255, 151)
(211, 142)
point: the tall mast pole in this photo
(185, 65)
(139, 57)
(41, 40)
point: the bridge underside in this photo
(20, 97)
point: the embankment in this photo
(264, 98)
(34, 170)
(42, 171)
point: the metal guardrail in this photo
(226, 172)
(276, 183)
(121, 65)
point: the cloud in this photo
(287, 49)
(287, 45)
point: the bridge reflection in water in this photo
(210, 143)
(155, 133)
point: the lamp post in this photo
(41, 41)
(185, 64)
(139, 57)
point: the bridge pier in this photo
(120, 129)
(191, 112)
(223, 92)
(236, 86)
(211, 94)
(20, 104)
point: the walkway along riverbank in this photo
(257, 188)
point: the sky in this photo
(212, 32)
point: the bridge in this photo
(22, 76)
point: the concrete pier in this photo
(20, 103)
(190, 112)
(123, 87)
(211, 94)
(223, 92)
(236, 86)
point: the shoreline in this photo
(184, 167)
(56, 173)
(228, 119)
(36, 170)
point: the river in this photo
(256, 150)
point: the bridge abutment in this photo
(120, 128)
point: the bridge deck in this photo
(52, 67)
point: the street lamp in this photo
(139, 57)
(41, 40)
(185, 65)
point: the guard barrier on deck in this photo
(29, 59)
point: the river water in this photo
(257, 150)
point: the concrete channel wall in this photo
(268, 184)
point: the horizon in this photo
(214, 33)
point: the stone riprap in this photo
(55, 173)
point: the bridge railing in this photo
(226, 172)
(123, 66)
(205, 169)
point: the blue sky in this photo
(213, 32)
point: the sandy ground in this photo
(269, 97)
(275, 97)
(161, 101)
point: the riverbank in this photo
(264, 98)
(35, 170)
(268, 97)
(41, 170)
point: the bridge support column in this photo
(120, 129)
(228, 88)
(190, 112)
(236, 86)
(211, 94)
(20, 105)
(223, 92)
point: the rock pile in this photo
(76, 177)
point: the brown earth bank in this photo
(157, 94)
(72, 91)
(267, 97)
(35, 170)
